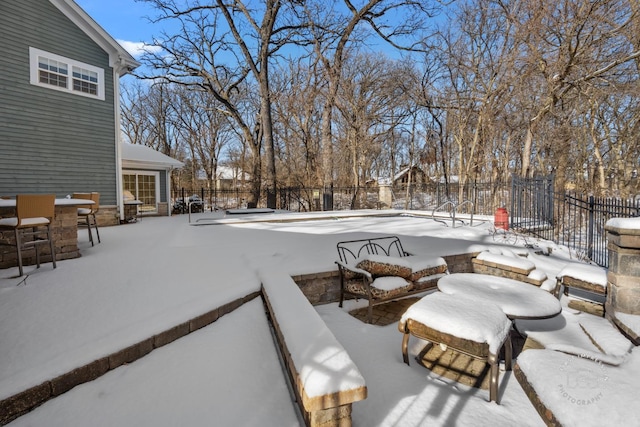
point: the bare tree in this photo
(220, 46)
(566, 47)
(297, 90)
(335, 31)
(205, 129)
(372, 103)
(136, 125)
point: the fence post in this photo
(327, 198)
(550, 200)
(271, 198)
(513, 200)
(590, 235)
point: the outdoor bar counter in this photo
(65, 233)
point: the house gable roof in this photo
(141, 156)
(121, 60)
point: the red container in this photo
(501, 219)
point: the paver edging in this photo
(545, 413)
(27, 400)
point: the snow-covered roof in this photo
(451, 179)
(226, 172)
(141, 156)
(405, 171)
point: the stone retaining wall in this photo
(330, 403)
(324, 288)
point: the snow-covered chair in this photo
(478, 330)
(379, 270)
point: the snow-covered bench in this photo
(578, 369)
(585, 277)
(478, 330)
(379, 270)
(324, 378)
(505, 263)
(581, 389)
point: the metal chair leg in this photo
(35, 246)
(51, 245)
(95, 224)
(493, 386)
(405, 345)
(19, 251)
(88, 222)
(508, 354)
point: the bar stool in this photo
(87, 213)
(33, 211)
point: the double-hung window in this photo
(57, 72)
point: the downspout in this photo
(168, 189)
(118, 140)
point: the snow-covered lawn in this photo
(147, 277)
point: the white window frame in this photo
(34, 77)
(156, 176)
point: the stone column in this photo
(623, 276)
(385, 196)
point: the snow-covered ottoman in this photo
(463, 325)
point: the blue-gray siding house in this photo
(59, 102)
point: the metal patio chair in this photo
(34, 215)
(87, 213)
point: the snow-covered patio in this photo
(148, 277)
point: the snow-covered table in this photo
(518, 300)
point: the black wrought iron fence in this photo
(565, 218)
(581, 222)
(485, 197)
(209, 200)
(569, 219)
